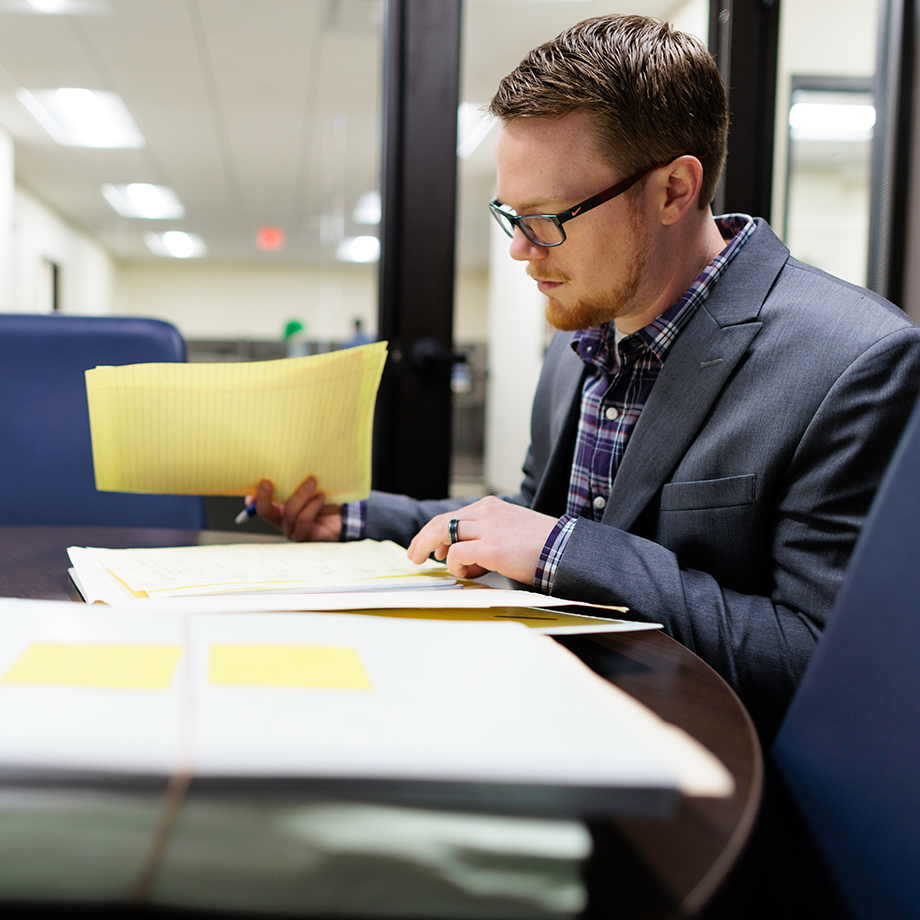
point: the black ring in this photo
(452, 530)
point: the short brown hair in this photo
(653, 92)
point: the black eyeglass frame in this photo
(518, 220)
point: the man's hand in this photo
(304, 517)
(494, 536)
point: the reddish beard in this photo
(610, 304)
(605, 305)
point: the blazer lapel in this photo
(691, 379)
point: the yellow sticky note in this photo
(144, 666)
(288, 666)
(218, 429)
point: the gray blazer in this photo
(747, 477)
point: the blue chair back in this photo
(849, 747)
(46, 457)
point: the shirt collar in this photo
(599, 345)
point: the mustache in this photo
(551, 276)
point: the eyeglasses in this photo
(546, 229)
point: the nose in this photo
(523, 249)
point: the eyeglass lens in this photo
(537, 229)
(541, 230)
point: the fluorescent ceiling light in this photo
(83, 117)
(367, 210)
(140, 199)
(176, 244)
(57, 7)
(831, 121)
(358, 249)
(473, 126)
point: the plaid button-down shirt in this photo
(622, 372)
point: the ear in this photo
(680, 185)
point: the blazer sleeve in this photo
(400, 517)
(761, 641)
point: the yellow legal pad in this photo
(288, 666)
(141, 666)
(217, 429)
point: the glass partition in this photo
(825, 117)
(830, 129)
(498, 315)
(213, 163)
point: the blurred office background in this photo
(217, 163)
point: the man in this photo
(359, 336)
(713, 418)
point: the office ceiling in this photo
(257, 112)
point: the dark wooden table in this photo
(641, 867)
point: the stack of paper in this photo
(218, 429)
(294, 762)
(328, 696)
(365, 576)
(364, 565)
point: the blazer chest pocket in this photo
(708, 493)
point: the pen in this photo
(248, 512)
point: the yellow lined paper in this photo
(288, 666)
(95, 665)
(214, 569)
(217, 429)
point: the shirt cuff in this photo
(354, 521)
(552, 553)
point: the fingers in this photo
(491, 535)
(465, 559)
(266, 506)
(328, 524)
(301, 526)
(297, 516)
(300, 510)
(451, 540)
(434, 537)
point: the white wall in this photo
(471, 306)
(517, 339)
(691, 16)
(87, 269)
(213, 301)
(6, 221)
(203, 300)
(828, 219)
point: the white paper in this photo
(447, 701)
(84, 727)
(241, 567)
(97, 585)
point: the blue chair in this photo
(45, 449)
(839, 830)
(849, 747)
